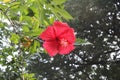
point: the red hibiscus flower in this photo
(58, 39)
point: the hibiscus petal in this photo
(51, 47)
(48, 34)
(66, 50)
(68, 35)
(58, 23)
(60, 27)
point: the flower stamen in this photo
(64, 42)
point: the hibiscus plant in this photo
(28, 27)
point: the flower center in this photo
(64, 42)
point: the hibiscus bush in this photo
(25, 30)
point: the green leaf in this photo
(52, 19)
(41, 16)
(34, 47)
(35, 32)
(15, 5)
(58, 2)
(20, 18)
(64, 13)
(28, 76)
(80, 41)
(25, 29)
(60, 12)
(14, 38)
(2, 7)
(2, 25)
